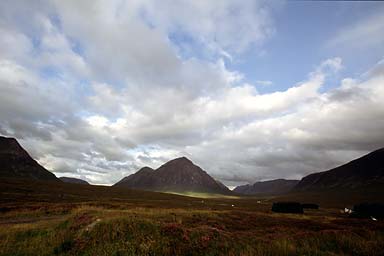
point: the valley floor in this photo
(145, 223)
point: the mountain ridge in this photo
(363, 171)
(270, 187)
(17, 163)
(176, 175)
(73, 180)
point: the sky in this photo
(248, 90)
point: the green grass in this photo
(202, 195)
(50, 219)
(90, 230)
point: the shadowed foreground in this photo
(126, 222)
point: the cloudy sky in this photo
(248, 90)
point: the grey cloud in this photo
(223, 27)
(142, 104)
(27, 129)
(365, 32)
(322, 134)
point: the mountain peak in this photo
(145, 169)
(15, 162)
(182, 159)
(177, 175)
(3, 138)
(10, 144)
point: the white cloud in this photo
(331, 129)
(364, 33)
(225, 26)
(97, 121)
(122, 97)
(264, 82)
(334, 65)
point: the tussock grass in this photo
(95, 230)
(66, 219)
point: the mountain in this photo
(178, 175)
(142, 179)
(73, 180)
(15, 162)
(270, 187)
(359, 173)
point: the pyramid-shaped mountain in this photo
(178, 175)
(15, 162)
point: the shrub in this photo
(63, 247)
(310, 206)
(287, 207)
(366, 210)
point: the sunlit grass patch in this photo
(202, 195)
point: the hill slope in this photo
(362, 172)
(73, 180)
(139, 180)
(15, 162)
(178, 175)
(270, 187)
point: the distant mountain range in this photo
(181, 175)
(364, 172)
(270, 187)
(178, 175)
(15, 162)
(359, 173)
(73, 180)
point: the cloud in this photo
(331, 129)
(366, 32)
(97, 90)
(330, 65)
(225, 27)
(264, 82)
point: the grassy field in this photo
(50, 219)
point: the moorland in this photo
(50, 218)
